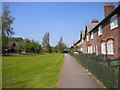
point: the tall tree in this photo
(7, 20)
(61, 46)
(60, 40)
(7, 29)
(45, 42)
(27, 45)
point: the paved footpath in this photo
(73, 75)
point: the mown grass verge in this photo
(31, 71)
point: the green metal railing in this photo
(108, 75)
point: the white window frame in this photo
(96, 49)
(81, 50)
(92, 35)
(91, 51)
(103, 48)
(110, 47)
(87, 37)
(100, 30)
(113, 21)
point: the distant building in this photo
(10, 48)
(12, 43)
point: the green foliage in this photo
(75, 48)
(7, 20)
(54, 50)
(45, 43)
(28, 46)
(7, 30)
(93, 54)
(15, 39)
(31, 71)
(35, 46)
(72, 50)
(4, 43)
(61, 46)
(19, 47)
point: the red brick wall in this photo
(119, 33)
(107, 33)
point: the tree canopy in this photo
(7, 29)
(28, 46)
(60, 47)
(7, 20)
(45, 43)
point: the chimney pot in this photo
(108, 8)
(111, 4)
(94, 21)
(106, 4)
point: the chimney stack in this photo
(108, 8)
(94, 21)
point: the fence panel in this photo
(108, 75)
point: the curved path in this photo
(73, 75)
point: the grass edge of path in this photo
(61, 67)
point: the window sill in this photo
(100, 35)
(111, 54)
(114, 28)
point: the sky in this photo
(66, 19)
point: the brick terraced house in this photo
(102, 37)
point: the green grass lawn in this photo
(31, 71)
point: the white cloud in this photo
(61, 23)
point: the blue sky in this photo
(66, 19)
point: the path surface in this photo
(73, 75)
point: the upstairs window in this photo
(114, 21)
(99, 30)
(110, 47)
(91, 35)
(87, 38)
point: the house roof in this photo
(76, 42)
(83, 33)
(90, 26)
(107, 17)
(11, 43)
